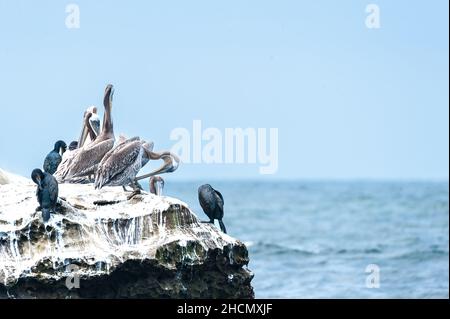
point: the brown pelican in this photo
(120, 166)
(89, 131)
(67, 158)
(53, 159)
(212, 202)
(86, 161)
(46, 193)
(156, 185)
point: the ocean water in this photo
(315, 239)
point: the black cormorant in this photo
(212, 203)
(47, 192)
(73, 145)
(53, 159)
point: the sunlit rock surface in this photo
(4, 178)
(147, 247)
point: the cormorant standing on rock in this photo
(54, 158)
(47, 192)
(212, 202)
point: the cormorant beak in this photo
(38, 181)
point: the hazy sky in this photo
(348, 101)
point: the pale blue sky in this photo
(349, 102)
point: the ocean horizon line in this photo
(314, 180)
(270, 179)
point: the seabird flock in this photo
(97, 158)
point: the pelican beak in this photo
(173, 163)
(169, 167)
(83, 136)
(109, 92)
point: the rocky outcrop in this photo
(146, 247)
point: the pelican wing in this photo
(117, 148)
(64, 167)
(88, 158)
(120, 159)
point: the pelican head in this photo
(92, 109)
(148, 145)
(174, 161)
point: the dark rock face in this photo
(148, 247)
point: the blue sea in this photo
(315, 239)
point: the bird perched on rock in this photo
(54, 158)
(67, 158)
(87, 159)
(212, 203)
(46, 193)
(120, 166)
